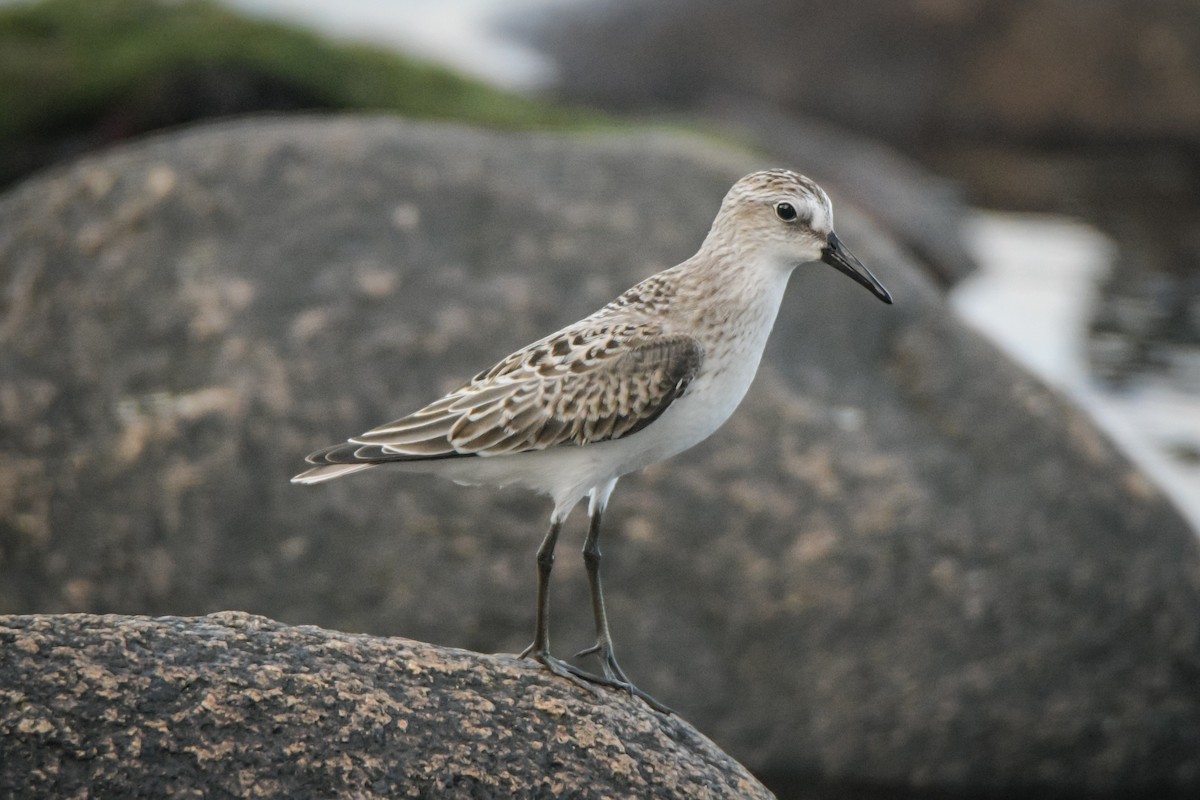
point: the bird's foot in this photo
(614, 676)
(558, 667)
(608, 660)
(588, 680)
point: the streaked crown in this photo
(776, 211)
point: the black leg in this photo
(613, 674)
(539, 650)
(545, 563)
(603, 646)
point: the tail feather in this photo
(328, 472)
(332, 462)
(349, 457)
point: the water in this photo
(1033, 296)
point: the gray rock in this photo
(903, 563)
(233, 705)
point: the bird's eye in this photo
(785, 211)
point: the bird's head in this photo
(786, 219)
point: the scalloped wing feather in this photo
(579, 386)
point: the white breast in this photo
(732, 355)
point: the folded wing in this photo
(574, 388)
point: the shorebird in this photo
(647, 376)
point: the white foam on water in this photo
(1032, 296)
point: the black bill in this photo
(837, 256)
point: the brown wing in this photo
(574, 388)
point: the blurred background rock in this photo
(925, 574)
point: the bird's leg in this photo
(540, 649)
(613, 674)
(603, 646)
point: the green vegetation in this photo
(66, 65)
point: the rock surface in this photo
(903, 564)
(233, 705)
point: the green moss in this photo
(65, 63)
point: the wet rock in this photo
(242, 706)
(903, 564)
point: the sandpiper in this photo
(649, 375)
